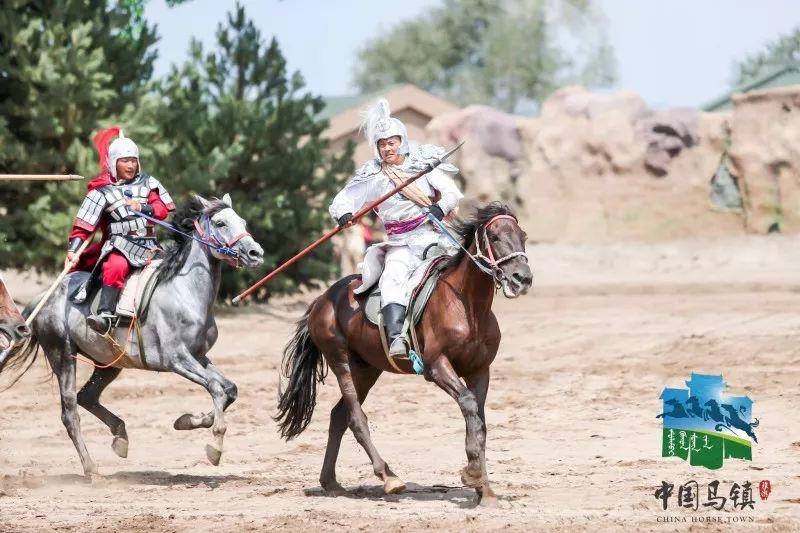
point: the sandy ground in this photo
(573, 442)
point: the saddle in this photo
(134, 299)
(419, 296)
(371, 306)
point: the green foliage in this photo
(785, 50)
(502, 53)
(66, 67)
(234, 120)
(231, 119)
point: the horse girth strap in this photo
(412, 191)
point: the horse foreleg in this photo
(360, 428)
(89, 399)
(210, 379)
(189, 421)
(478, 383)
(64, 368)
(364, 377)
(473, 475)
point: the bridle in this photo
(210, 237)
(486, 263)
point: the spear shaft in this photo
(360, 213)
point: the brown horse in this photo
(458, 336)
(12, 325)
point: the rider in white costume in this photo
(410, 233)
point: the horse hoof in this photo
(393, 485)
(213, 454)
(91, 473)
(183, 422)
(334, 489)
(120, 446)
(489, 501)
(471, 480)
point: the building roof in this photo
(779, 76)
(343, 112)
(336, 104)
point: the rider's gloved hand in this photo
(344, 219)
(70, 259)
(436, 211)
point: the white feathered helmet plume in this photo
(377, 123)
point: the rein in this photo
(493, 269)
(207, 237)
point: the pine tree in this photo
(234, 120)
(66, 67)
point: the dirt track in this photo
(573, 442)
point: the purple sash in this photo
(395, 228)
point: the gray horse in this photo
(177, 333)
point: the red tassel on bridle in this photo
(101, 142)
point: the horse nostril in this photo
(23, 330)
(522, 279)
(255, 254)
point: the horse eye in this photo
(219, 223)
(494, 238)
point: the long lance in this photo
(337, 229)
(41, 177)
(61, 276)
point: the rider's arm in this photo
(443, 183)
(353, 197)
(155, 206)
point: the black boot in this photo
(106, 311)
(394, 315)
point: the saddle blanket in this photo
(134, 291)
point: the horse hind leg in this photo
(360, 428)
(64, 367)
(364, 377)
(89, 399)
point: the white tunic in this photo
(395, 260)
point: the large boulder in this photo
(765, 152)
(490, 158)
(595, 167)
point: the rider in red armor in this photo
(127, 240)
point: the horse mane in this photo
(465, 228)
(175, 253)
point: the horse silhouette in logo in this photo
(678, 411)
(734, 420)
(730, 420)
(712, 412)
(694, 408)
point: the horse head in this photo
(12, 325)
(500, 242)
(224, 227)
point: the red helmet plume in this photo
(101, 142)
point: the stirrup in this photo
(101, 322)
(395, 349)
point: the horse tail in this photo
(22, 354)
(304, 366)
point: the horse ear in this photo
(202, 201)
(227, 200)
